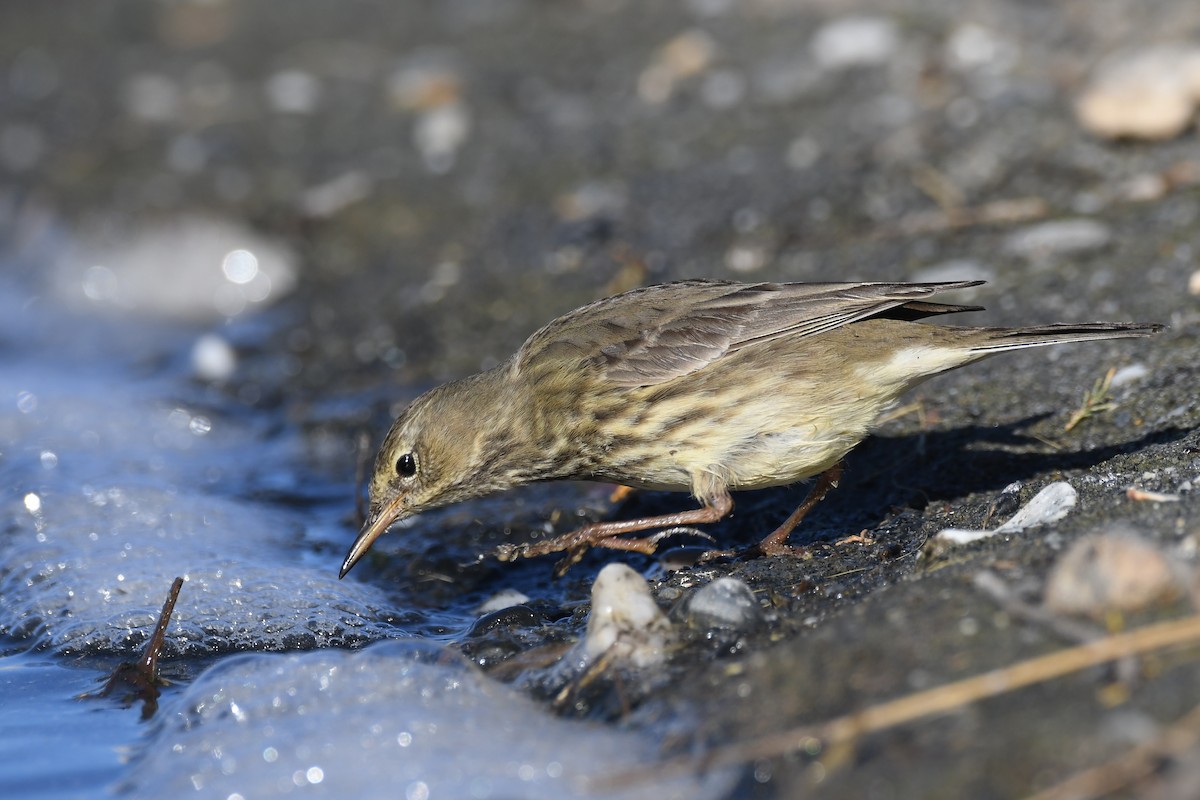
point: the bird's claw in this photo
(575, 546)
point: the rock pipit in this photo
(696, 386)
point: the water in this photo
(125, 463)
(51, 744)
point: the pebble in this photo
(439, 133)
(1059, 237)
(293, 91)
(625, 621)
(1144, 188)
(1130, 373)
(973, 47)
(746, 257)
(1151, 94)
(150, 97)
(430, 86)
(1193, 285)
(326, 199)
(723, 89)
(501, 600)
(685, 55)
(726, 603)
(1049, 505)
(426, 82)
(1112, 571)
(677, 558)
(592, 199)
(855, 42)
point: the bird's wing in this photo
(651, 335)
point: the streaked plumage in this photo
(698, 386)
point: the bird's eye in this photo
(406, 466)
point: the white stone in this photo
(1059, 237)
(725, 603)
(855, 42)
(1049, 505)
(1150, 94)
(626, 617)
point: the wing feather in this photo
(657, 333)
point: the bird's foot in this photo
(765, 548)
(576, 543)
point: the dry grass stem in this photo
(1095, 401)
(931, 702)
(1137, 764)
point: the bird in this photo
(698, 386)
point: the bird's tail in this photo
(998, 340)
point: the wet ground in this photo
(236, 236)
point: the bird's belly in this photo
(751, 434)
(741, 456)
(778, 458)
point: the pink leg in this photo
(775, 543)
(608, 534)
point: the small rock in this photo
(723, 89)
(293, 91)
(427, 81)
(1114, 571)
(1144, 188)
(439, 133)
(1049, 505)
(326, 199)
(625, 619)
(502, 599)
(746, 257)
(1151, 94)
(593, 199)
(725, 603)
(1059, 237)
(1193, 285)
(150, 97)
(1130, 373)
(973, 47)
(688, 54)
(1006, 503)
(677, 558)
(855, 42)
(802, 153)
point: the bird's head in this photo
(430, 458)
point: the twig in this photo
(140, 679)
(928, 703)
(1142, 495)
(1125, 770)
(1067, 628)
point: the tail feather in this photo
(997, 340)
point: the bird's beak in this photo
(374, 528)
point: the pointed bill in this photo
(372, 530)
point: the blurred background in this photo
(445, 177)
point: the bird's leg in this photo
(775, 542)
(609, 534)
